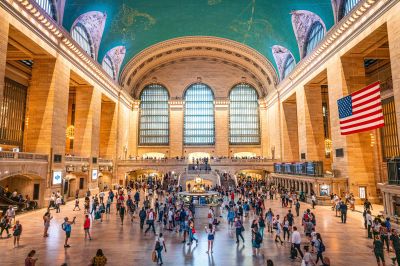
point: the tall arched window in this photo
(48, 6)
(108, 66)
(346, 7)
(288, 66)
(81, 36)
(244, 122)
(199, 115)
(315, 35)
(154, 116)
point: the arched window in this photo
(81, 36)
(48, 6)
(154, 116)
(243, 115)
(288, 66)
(108, 66)
(346, 7)
(315, 35)
(199, 115)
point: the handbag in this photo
(154, 256)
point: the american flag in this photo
(361, 110)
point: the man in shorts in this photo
(66, 226)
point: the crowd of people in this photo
(157, 209)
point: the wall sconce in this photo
(328, 146)
(70, 132)
(372, 135)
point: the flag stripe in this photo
(363, 126)
(361, 123)
(357, 93)
(379, 108)
(361, 110)
(367, 107)
(366, 95)
(363, 129)
(361, 117)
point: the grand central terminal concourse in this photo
(199, 132)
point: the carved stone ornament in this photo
(94, 22)
(302, 20)
(281, 54)
(117, 55)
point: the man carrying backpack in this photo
(66, 226)
(142, 216)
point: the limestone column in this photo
(4, 26)
(87, 127)
(176, 127)
(87, 121)
(290, 142)
(47, 106)
(310, 122)
(346, 75)
(263, 127)
(393, 30)
(221, 108)
(47, 110)
(108, 130)
(134, 129)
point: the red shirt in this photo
(86, 225)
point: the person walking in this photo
(261, 225)
(159, 246)
(239, 229)
(66, 226)
(46, 223)
(343, 212)
(58, 204)
(192, 234)
(122, 211)
(297, 207)
(378, 251)
(30, 260)
(76, 204)
(86, 227)
(394, 238)
(99, 259)
(278, 230)
(319, 247)
(210, 237)
(151, 216)
(142, 217)
(256, 240)
(5, 225)
(17, 233)
(296, 241)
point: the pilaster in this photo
(176, 127)
(221, 127)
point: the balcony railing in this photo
(8, 155)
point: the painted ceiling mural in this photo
(138, 24)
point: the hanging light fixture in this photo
(328, 146)
(70, 132)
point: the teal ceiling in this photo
(137, 24)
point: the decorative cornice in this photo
(41, 24)
(334, 40)
(94, 22)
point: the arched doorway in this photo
(26, 186)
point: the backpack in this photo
(258, 238)
(158, 246)
(209, 215)
(63, 226)
(321, 247)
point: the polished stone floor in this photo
(346, 244)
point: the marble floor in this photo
(346, 244)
